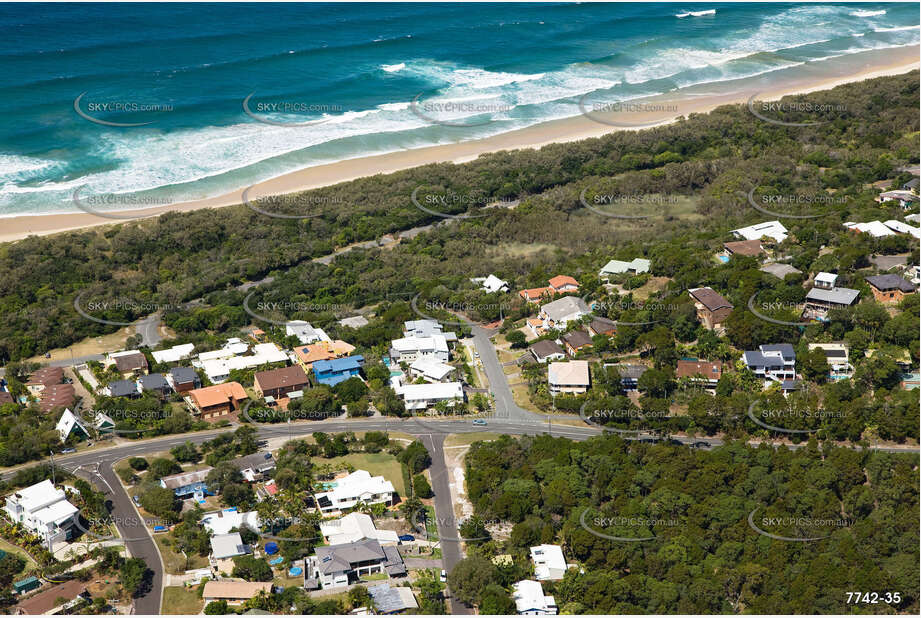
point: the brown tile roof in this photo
(534, 294)
(689, 369)
(578, 339)
(744, 247)
(217, 394)
(603, 325)
(46, 376)
(47, 600)
(57, 395)
(710, 299)
(5, 397)
(130, 362)
(279, 378)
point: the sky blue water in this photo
(348, 75)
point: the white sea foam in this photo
(696, 13)
(860, 13)
(393, 68)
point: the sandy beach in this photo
(698, 99)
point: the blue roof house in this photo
(332, 372)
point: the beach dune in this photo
(697, 99)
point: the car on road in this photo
(68, 450)
(701, 444)
(444, 576)
(137, 500)
(479, 421)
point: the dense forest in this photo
(710, 160)
(699, 511)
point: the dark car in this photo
(406, 537)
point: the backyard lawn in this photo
(174, 561)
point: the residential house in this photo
(825, 295)
(409, 349)
(224, 522)
(530, 599)
(255, 467)
(392, 599)
(70, 424)
(340, 565)
(890, 288)
(779, 270)
(875, 229)
(705, 373)
(321, 350)
(431, 370)
(549, 563)
(221, 401)
(902, 228)
(57, 396)
(279, 382)
(304, 332)
(769, 229)
(218, 369)
(571, 377)
(619, 267)
(357, 487)
(750, 248)
(424, 396)
(183, 379)
(576, 341)
(905, 199)
(712, 309)
(772, 362)
(156, 383)
(174, 354)
(355, 527)
(559, 313)
(426, 328)
(561, 284)
(130, 363)
(42, 378)
(123, 388)
(838, 358)
(234, 592)
(546, 350)
(602, 326)
(491, 284)
(187, 484)
(44, 510)
(57, 600)
(629, 374)
(332, 372)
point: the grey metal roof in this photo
(123, 388)
(154, 381)
(836, 296)
(183, 375)
(545, 347)
(387, 599)
(891, 282)
(631, 372)
(256, 461)
(785, 349)
(779, 270)
(340, 558)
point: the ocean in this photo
(158, 103)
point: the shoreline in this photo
(702, 98)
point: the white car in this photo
(444, 576)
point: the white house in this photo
(876, 229)
(359, 486)
(559, 313)
(491, 283)
(423, 396)
(174, 354)
(222, 522)
(218, 369)
(549, 563)
(775, 362)
(355, 527)
(530, 599)
(224, 546)
(771, 229)
(572, 377)
(43, 509)
(410, 349)
(902, 228)
(68, 424)
(431, 370)
(426, 328)
(618, 267)
(304, 332)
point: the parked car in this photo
(444, 576)
(137, 500)
(69, 450)
(406, 538)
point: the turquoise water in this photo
(354, 71)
